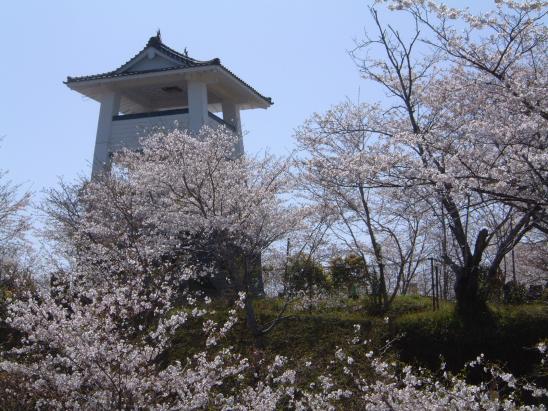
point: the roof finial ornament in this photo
(155, 40)
(186, 52)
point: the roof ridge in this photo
(163, 47)
(156, 42)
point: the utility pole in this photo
(433, 284)
(286, 270)
(444, 256)
(437, 288)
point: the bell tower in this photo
(160, 87)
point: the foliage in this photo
(16, 279)
(306, 274)
(354, 375)
(506, 334)
(454, 164)
(514, 293)
(15, 267)
(348, 272)
(183, 202)
(94, 343)
(460, 143)
(13, 224)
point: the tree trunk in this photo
(250, 317)
(251, 322)
(467, 292)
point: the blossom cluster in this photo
(101, 347)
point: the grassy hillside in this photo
(506, 337)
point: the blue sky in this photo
(294, 51)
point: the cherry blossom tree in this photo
(16, 257)
(463, 128)
(385, 230)
(464, 139)
(96, 343)
(183, 201)
(529, 261)
(90, 345)
(133, 241)
(13, 224)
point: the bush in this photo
(505, 334)
(347, 273)
(514, 293)
(15, 280)
(306, 274)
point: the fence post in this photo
(433, 284)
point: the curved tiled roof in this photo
(184, 60)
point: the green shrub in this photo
(347, 273)
(306, 274)
(514, 293)
(505, 335)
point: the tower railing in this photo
(163, 113)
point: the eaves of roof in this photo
(186, 62)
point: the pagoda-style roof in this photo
(159, 69)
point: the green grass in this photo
(406, 304)
(313, 336)
(505, 336)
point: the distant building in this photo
(160, 87)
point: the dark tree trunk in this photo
(250, 317)
(251, 322)
(470, 300)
